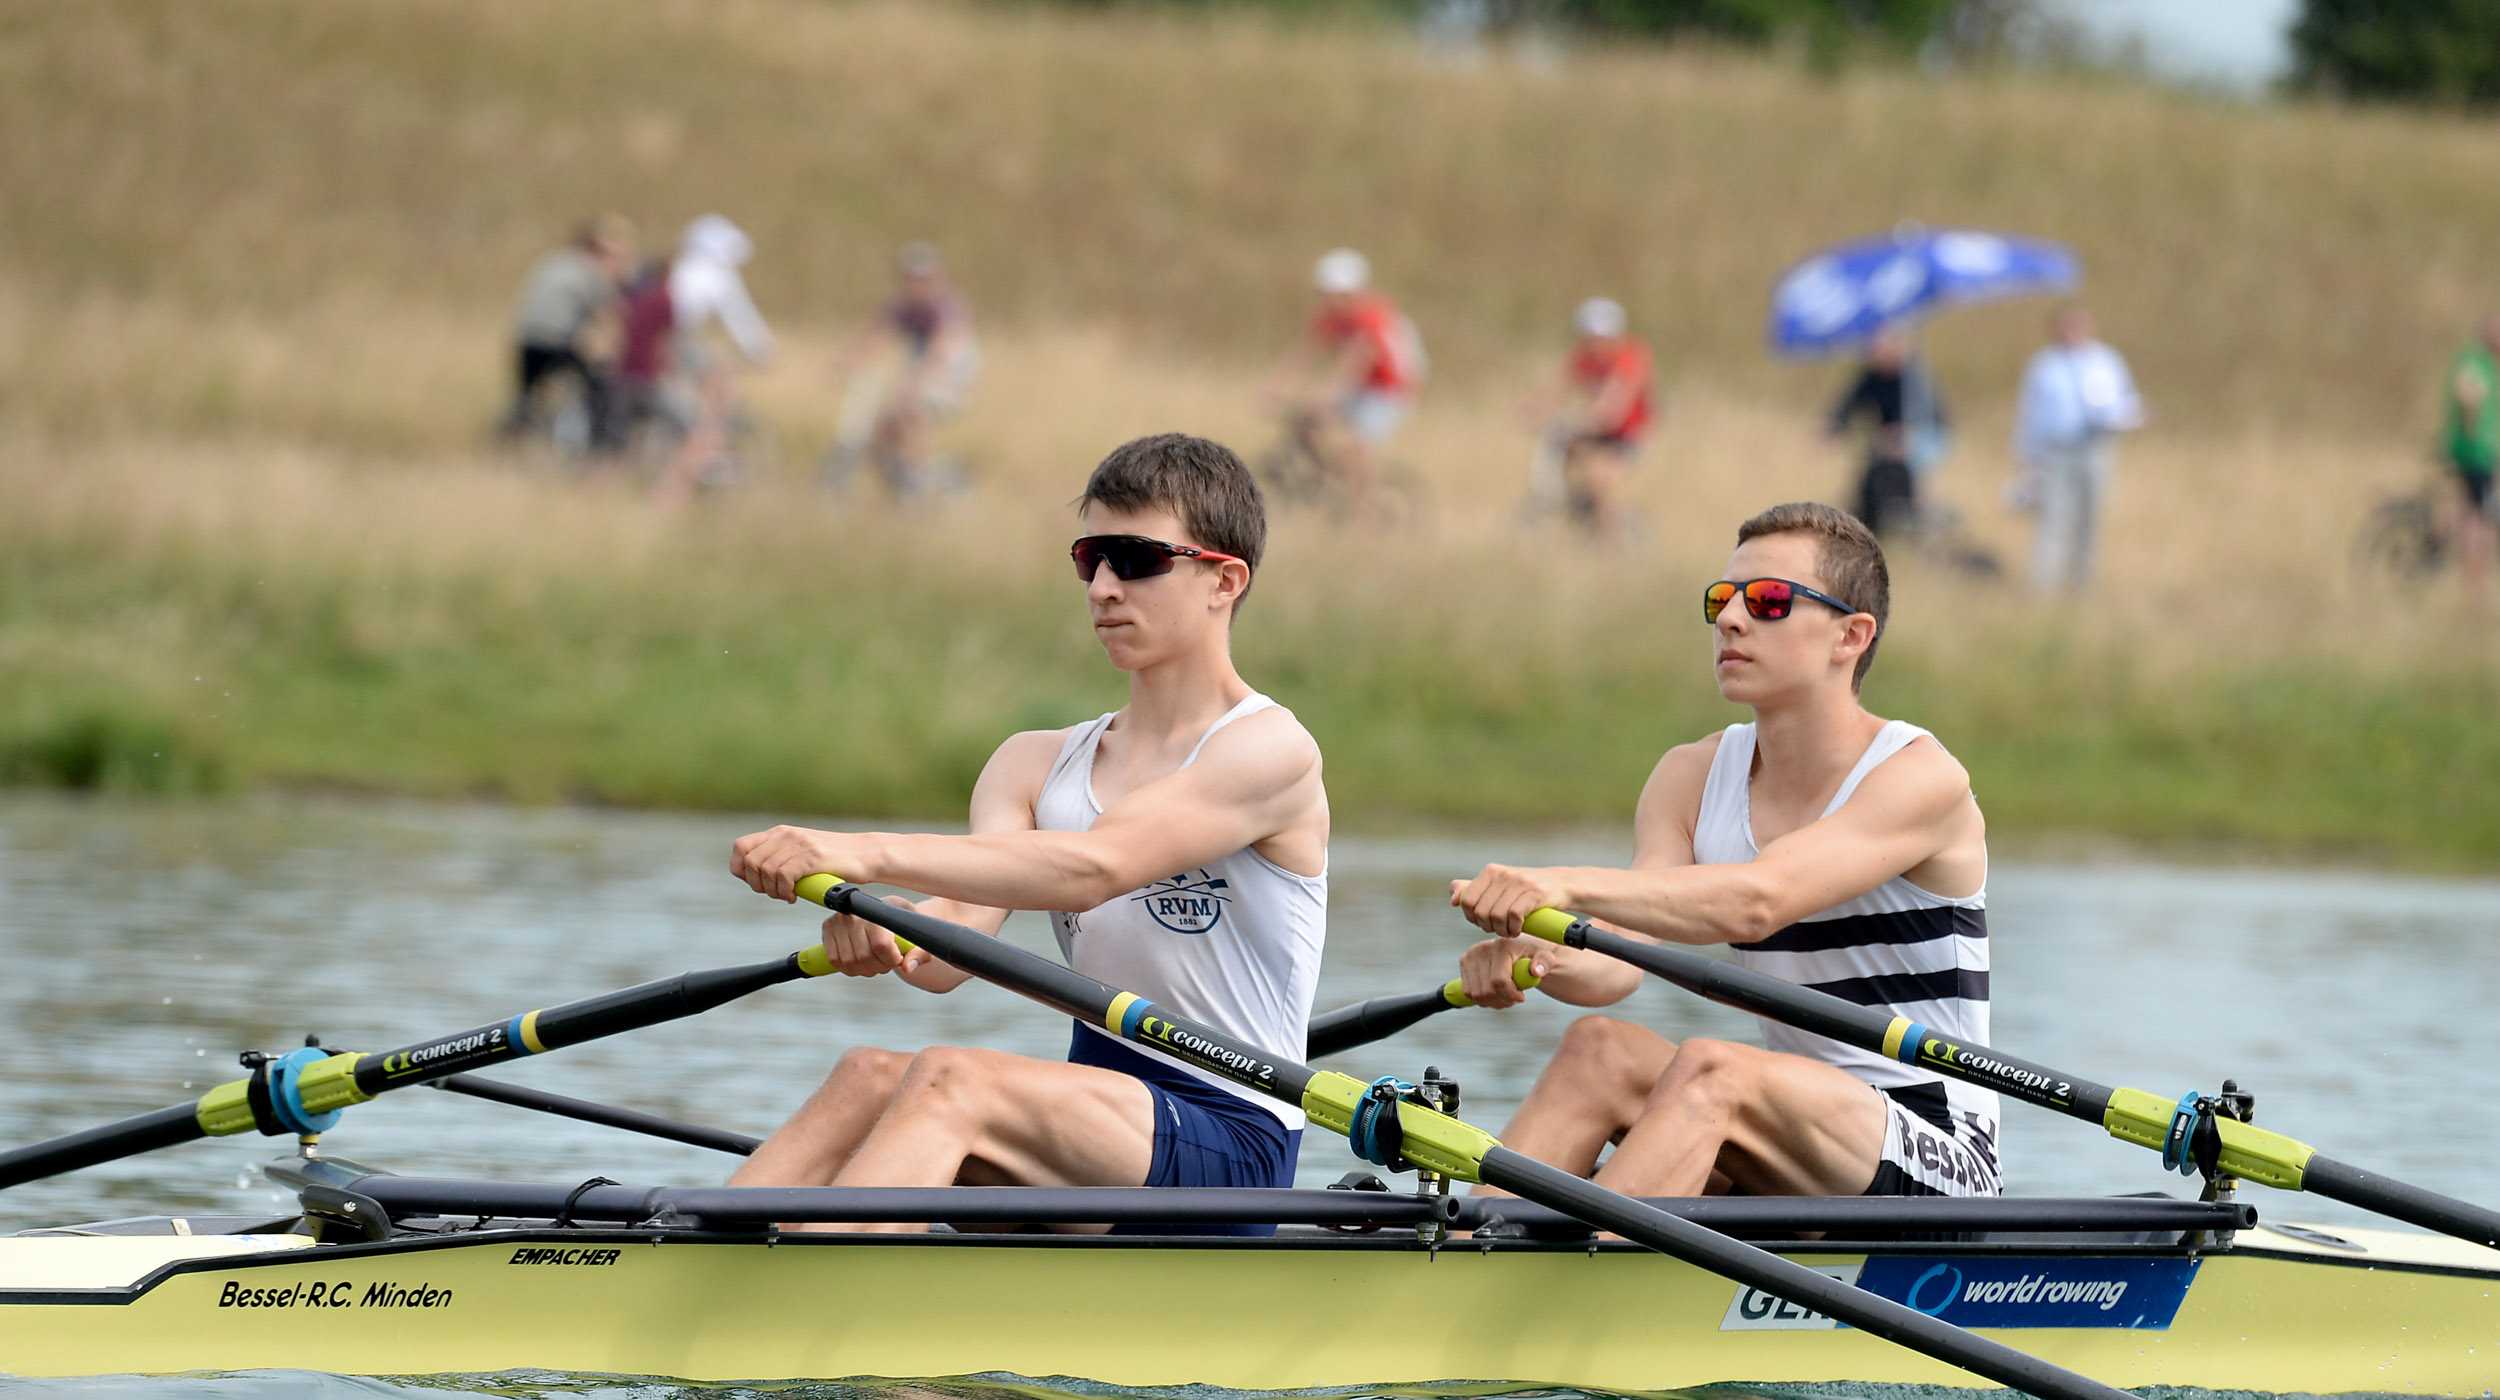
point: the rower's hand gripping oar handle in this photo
(814, 888)
(1522, 975)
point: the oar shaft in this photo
(299, 1092)
(1448, 1145)
(1532, 1180)
(2390, 1197)
(605, 1115)
(591, 1018)
(1382, 1017)
(127, 1138)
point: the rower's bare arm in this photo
(1662, 839)
(772, 862)
(1256, 780)
(1913, 815)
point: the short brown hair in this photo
(1848, 555)
(1198, 480)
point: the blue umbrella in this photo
(1840, 296)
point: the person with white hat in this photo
(1350, 381)
(705, 288)
(1595, 412)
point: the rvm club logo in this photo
(1192, 903)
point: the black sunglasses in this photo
(1766, 599)
(1133, 557)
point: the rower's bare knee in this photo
(1603, 1050)
(868, 1065)
(945, 1080)
(1704, 1077)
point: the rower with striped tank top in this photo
(1829, 847)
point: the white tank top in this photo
(1899, 947)
(1234, 944)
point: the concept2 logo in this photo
(1186, 903)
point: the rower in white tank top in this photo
(1234, 944)
(1919, 954)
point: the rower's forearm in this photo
(1576, 977)
(1697, 904)
(1045, 870)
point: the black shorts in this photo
(2477, 487)
(1927, 1152)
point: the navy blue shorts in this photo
(1204, 1136)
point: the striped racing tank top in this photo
(1897, 947)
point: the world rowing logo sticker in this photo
(1192, 903)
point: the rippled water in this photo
(146, 944)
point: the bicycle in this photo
(560, 417)
(654, 422)
(2408, 537)
(1292, 473)
(855, 447)
(1553, 497)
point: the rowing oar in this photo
(1382, 1017)
(1422, 1137)
(2169, 1126)
(304, 1091)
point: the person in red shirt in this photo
(1595, 412)
(1351, 380)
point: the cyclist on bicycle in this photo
(1594, 413)
(566, 319)
(1369, 362)
(705, 287)
(2473, 442)
(929, 324)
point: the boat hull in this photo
(2399, 1313)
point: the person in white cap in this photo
(1351, 379)
(1595, 412)
(705, 288)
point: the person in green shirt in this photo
(2473, 402)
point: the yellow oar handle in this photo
(1522, 975)
(1548, 924)
(814, 888)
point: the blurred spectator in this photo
(1593, 415)
(566, 320)
(1351, 380)
(929, 324)
(1894, 392)
(705, 288)
(646, 387)
(2077, 396)
(2473, 413)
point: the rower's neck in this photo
(1811, 746)
(1179, 697)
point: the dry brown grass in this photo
(1170, 178)
(250, 342)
